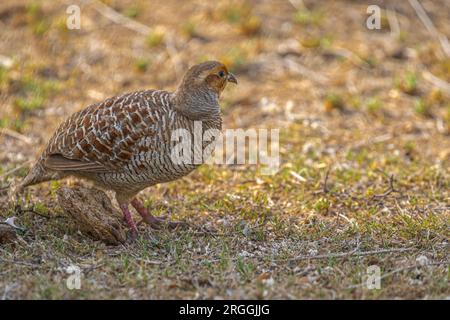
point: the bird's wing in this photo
(105, 136)
(60, 163)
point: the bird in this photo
(124, 143)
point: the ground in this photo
(364, 177)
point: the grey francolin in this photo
(124, 143)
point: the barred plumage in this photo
(124, 143)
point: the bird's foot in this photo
(127, 216)
(151, 220)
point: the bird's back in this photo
(107, 133)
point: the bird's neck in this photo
(197, 103)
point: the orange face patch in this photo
(216, 78)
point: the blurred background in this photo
(355, 106)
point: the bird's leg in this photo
(150, 219)
(129, 220)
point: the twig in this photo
(296, 67)
(35, 212)
(15, 135)
(437, 82)
(389, 190)
(352, 253)
(92, 268)
(414, 266)
(430, 26)
(402, 269)
(297, 176)
(370, 141)
(351, 56)
(24, 263)
(47, 216)
(7, 173)
(118, 18)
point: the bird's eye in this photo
(221, 73)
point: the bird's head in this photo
(201, 87)
(210, 75)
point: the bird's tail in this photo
(37, 174)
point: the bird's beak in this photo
(232, 78)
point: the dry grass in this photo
(364, 146)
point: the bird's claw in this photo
(159, 222)
(133, 235)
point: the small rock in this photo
(269, 282)
(11, 222)
(6, 62)
(422, 260)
